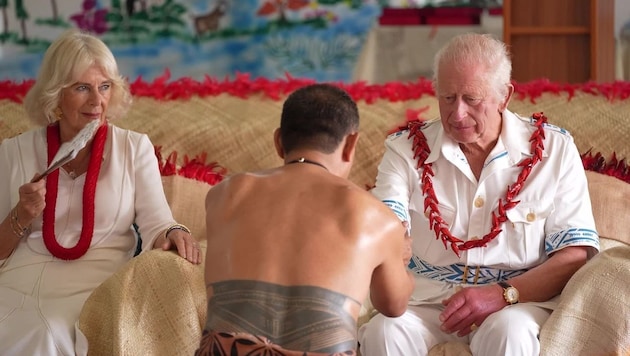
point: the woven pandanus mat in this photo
(13, 120)
(154, 305)
(238, 132)
(593, 320)
(594, 121)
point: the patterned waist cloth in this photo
(460, 273)
(214, 343)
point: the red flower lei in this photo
(436, 222)
(89, 190)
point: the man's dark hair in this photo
(317, 116)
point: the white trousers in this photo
(511, 331)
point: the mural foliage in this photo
(318, 39)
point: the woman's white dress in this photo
(40, 295)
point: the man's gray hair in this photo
(477, 49)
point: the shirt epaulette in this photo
(551, 127)
(423, 126)
(398, 133)
(430, 123)
(556, 129)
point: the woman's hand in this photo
(183, 242)
(32, 201)
(18, 222)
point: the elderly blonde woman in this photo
(61, 236)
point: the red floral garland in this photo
(436, 222)
(89, 191)
(196, 168)
(614, 167)
(163, 88)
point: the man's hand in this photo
(470, 306)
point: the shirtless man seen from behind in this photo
(293, 251)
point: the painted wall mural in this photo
(318, 39)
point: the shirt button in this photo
(531, 217)
(479, 202)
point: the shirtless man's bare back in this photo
(294, 250)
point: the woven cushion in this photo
(610, 198)
(154, 305)
(593, 320)
(187, 198)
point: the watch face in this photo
(511, 295)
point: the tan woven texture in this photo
(610, 198)
(237, 133)
(155, 305)
(594, 320)
(187, 197)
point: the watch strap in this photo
(504, 284)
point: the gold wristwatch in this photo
(510, 294)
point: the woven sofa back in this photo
(237, 133)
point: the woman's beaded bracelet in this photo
(19, 230)
(175, 227)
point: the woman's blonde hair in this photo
(478, 49)
(65, 60)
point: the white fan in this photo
(69, 150)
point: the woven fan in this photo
(69, 150)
